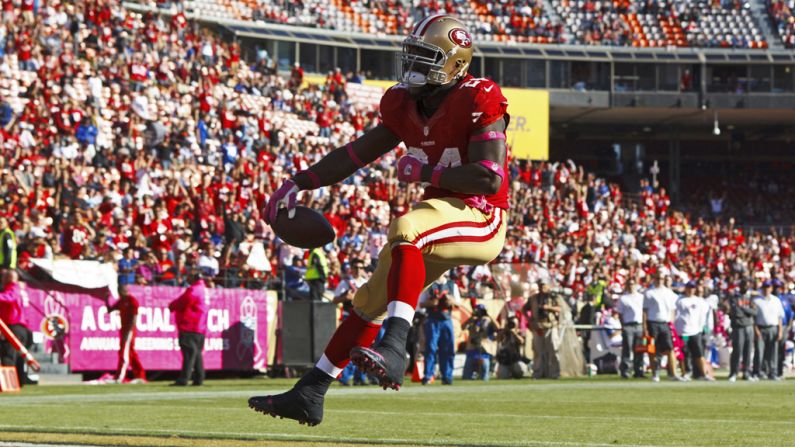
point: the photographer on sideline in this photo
(509, 355)
(545, 308)
(481, 345)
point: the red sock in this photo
(405, 281)
(354, 331)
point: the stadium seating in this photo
(659, 24)
(730, 26)
(782, 16)
(668, 23)
(523, 21)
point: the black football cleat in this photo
(303, 403)
(290, 405)
(386, 361)
(385, 364)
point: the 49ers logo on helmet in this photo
(460, 37)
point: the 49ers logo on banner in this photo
(54, 326)
(460, 37)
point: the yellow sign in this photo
(383, 84)
(528, 131)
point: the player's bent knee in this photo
(402, 231)
(368, 306)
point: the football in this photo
(307, 229)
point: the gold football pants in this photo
(448, 233)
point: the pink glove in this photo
(409, 169)
(284, 197)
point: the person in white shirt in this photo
(659, 302)
(769, 316)
(630, 309)
(691, 317)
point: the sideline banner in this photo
(236, 339)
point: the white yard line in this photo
(492, 415)
(31, 444)
(414, 390)
(294, 436)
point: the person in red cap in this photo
(128, 357)
(11, 314)
(190, 313)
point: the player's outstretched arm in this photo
(336, 166)
(483, 174)
(340, 163)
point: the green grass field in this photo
(572, 412)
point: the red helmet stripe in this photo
(420, 29)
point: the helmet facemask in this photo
(421, 63)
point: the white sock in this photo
(325, 365)
(400, 309)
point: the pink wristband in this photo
(313, 177)
(487, 136)
(355, 159)
(493, 167)
(436, 176)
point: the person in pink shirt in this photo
(11, 314)
(190, 313)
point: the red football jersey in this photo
(443, 139)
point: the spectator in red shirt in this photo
(128, 357)
(167, 268)
(24, 53)
(296, 76)
(77, 236)
(138, 73)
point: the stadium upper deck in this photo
(634, 23)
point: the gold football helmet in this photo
(438, 51)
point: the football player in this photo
(453, 125)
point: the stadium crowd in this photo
(758, 194)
